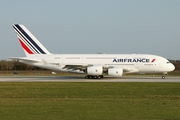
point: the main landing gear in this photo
(94, 76)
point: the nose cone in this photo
(171, 67)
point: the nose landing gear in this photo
(163, 76)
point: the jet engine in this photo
(95, 70)
(118, 72)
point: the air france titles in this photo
(135, 60)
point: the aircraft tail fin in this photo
(29, 43)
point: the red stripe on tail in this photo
(25, 47)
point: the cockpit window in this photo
(168, 62)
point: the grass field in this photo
(89, 101)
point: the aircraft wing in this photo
(26, 59)
(105, 68)
(130, 70)
(76, 67)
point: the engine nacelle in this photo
(118, 72)
(95, 70)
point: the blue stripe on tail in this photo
(29, 44)
(29, 38)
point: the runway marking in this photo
(82, 79)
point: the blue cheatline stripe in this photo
(29, 38)
(29, 44)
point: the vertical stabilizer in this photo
(29, 43)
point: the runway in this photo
(82, 79)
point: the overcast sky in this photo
(94, 26)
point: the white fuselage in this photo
(130, 63)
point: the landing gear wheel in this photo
(99, 77)
(94, 76)
(163, 77)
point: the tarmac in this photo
(82, 79)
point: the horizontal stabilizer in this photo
(25, 59)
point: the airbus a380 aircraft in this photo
(93, 65)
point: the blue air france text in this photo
(143, 60)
